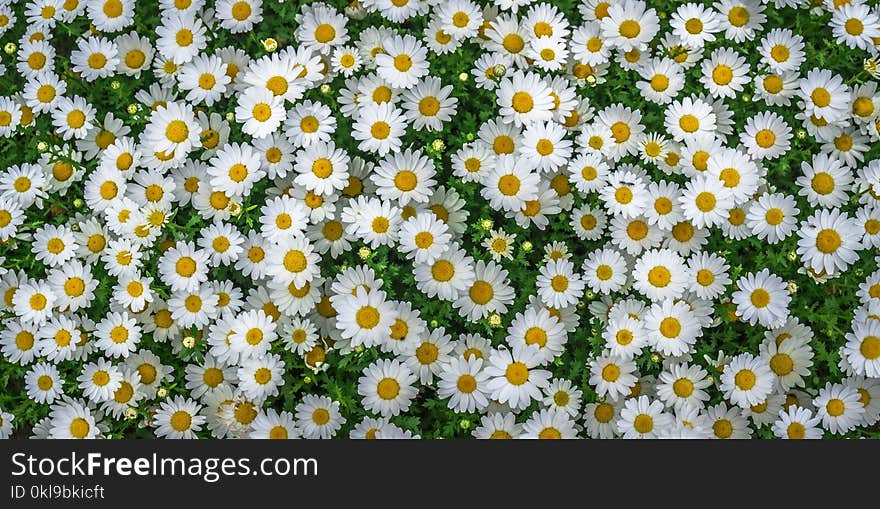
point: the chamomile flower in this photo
(797, 423)
(642, 418)
(839, 408)
(515, 377)
(387, 387)
(828, 241)
(178, 418)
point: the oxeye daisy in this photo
(829, 241)
(53, 245)
(386, 387)
(426, 356)
(629, 25)
(99, 380)
(705, 201)
(725, 73)
(318, 417)
(181, 37)
(73, 117)
(624, 337)
(694, 24)
(708, 275)
(562, 396)
(746, 380)
(43, 383)
(489, 291)
(762, 298)
(625, 127)
(118, 335)
(773, 217)
(322, 28)
(797, 423)
(95, 57)
(178, 418)
(741, 19)
(839, 408)
(428, 105)
(204, 79)
(524, 98)
(514, 376)
(379, 128)
(544, 146)
(72, 419)
(724, 423)
(690, 119)
(681, 386)
(855, 25)
(776, 89)
(260, 376)
(671, 327)
(782, 50)
(558, 284)
(862, 348)
(642, 418)
(612, 376)
(184, 267)
(403, 62)
(790, 361)
(404, 176)
(239, 16)
(538, 327)
(660, 274)
(825, 95)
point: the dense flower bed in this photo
(439, 218)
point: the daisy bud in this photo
(270, 44)
(792, 287)
(325, 88)
(871, 67)
(463, 76)
(801, 134)
(359, 349)
(78, 203)
(589, 295)
(469, 136)
(130, 413)
(434, 324)
(499, 71)
(307, 380)
(115, 85)
(655, 358)
(591, 79)
(189, 342)
(132, 109)
(486, 224)
(495, 320)
(41, 146)
(230, 116)
(527, 246)
(464, 424)
(162, 392)
(792, 256)
(364, 253)
(438, 145)
(9, 48)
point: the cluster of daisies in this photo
(181, 256)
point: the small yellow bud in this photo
(270, 44)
